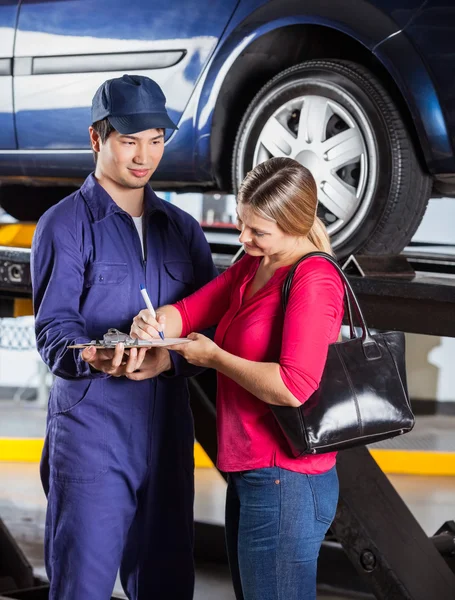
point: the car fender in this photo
(372, 28)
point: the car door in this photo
(8, 16)
(66, 48)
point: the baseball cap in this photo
(131, 103)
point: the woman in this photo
(278, 508)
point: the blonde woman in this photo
(278, 508)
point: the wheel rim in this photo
(335, 143)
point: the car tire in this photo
(372, 189)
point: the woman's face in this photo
(261, 237)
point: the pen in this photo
(149, 305)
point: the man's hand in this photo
(156, 361)
(117, 363)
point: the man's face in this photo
(129, 160)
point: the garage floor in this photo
(22, 507)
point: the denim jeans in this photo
(276, 521)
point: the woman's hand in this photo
(201, 352)
(146, 327)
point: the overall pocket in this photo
(179, 280)
(77, 435)
(66, 394)
(106, 300)
(105, 273)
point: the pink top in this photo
(254, 329)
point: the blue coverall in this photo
(117, 466)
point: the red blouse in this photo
(257, 330)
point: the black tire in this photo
(397, 188)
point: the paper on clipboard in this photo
(158, 343)
(114, 337)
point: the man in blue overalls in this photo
(117, 466)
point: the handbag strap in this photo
(350, 296)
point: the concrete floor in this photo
(22, 502)
(22, 507)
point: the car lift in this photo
(375, 547)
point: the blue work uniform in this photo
(117, 466)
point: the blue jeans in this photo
(276, 521)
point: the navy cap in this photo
(131, 103)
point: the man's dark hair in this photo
(104, 129)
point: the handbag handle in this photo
(368, 342)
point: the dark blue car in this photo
(362, 92)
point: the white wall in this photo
(430, 360)
(18, 368)
(438, 224)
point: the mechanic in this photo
(117, 466)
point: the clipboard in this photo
(158, 343)
(114, 337)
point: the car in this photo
(361, 92)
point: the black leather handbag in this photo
(362, 397)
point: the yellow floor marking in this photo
(415, 462)
(409, 462)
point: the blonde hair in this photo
(284, 191)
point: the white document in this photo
(158, 342)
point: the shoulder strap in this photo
(350, 296)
